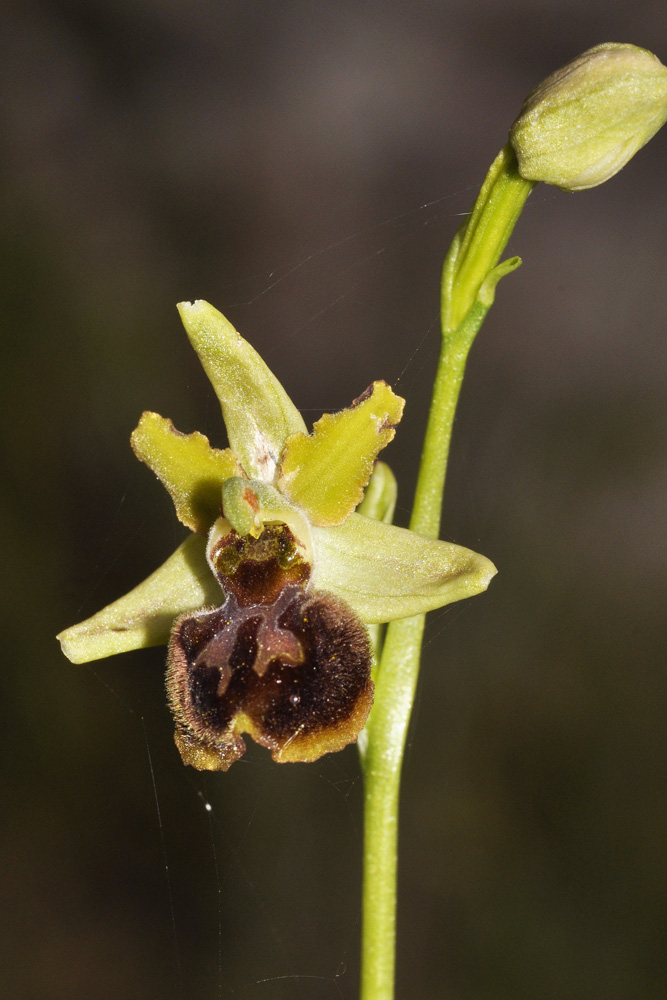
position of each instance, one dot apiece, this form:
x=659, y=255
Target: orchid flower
x=264, y=607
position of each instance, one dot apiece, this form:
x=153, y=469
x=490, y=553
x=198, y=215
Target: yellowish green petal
x=384, y=572
x=192, y=471
x=144, y=616
x=325, y=473
x=258, y=413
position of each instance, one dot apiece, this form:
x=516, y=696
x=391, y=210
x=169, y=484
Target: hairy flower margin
x=262, y=606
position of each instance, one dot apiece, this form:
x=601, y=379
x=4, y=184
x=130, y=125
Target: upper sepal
x=258, y=413
x=325, y=472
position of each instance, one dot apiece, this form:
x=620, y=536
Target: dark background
x=303, y=167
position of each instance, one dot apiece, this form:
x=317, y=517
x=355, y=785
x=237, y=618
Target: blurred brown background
x=304, y=167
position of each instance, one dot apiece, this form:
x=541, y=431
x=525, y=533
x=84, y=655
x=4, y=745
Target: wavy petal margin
x=325, y=472
x=192, y=471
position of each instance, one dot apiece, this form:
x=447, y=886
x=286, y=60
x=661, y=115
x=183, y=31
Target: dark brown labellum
x=293, y=673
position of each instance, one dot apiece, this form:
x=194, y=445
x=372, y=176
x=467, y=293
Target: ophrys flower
x=264, y=606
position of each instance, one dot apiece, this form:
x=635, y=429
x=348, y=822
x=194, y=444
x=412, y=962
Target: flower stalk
x=470, y=275
x=585, y=105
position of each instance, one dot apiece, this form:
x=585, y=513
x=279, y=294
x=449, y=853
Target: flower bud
x=583, y=123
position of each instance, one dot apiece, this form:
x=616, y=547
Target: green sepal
x=384, y=572
x=258, y=413
x=144, y=616
x=192, y=471
x=325, y=473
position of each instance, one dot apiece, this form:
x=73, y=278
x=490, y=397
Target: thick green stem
x=469, y=278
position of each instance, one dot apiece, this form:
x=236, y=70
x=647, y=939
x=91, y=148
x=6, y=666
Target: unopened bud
x=585, y=121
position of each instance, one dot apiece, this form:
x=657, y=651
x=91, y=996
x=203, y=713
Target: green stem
x=394, y=696
x=427, y=507
x=469, y=278
x=382, y=774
